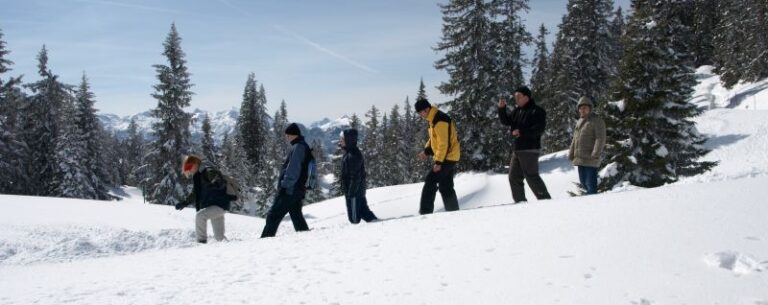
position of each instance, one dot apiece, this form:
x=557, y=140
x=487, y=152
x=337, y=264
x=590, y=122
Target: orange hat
x=189, y=162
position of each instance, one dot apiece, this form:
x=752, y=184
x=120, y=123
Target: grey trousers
x=216, y=215
x=525, y=165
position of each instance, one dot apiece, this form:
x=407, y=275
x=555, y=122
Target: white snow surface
x=703, y=240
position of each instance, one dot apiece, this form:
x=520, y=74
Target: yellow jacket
x=443, y=144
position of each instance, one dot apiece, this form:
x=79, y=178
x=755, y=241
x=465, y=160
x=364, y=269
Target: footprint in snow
x=736, y=262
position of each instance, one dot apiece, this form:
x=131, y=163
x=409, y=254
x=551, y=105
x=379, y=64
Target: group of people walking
x=527, y=123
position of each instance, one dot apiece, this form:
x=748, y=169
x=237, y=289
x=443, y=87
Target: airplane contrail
x=305, y=40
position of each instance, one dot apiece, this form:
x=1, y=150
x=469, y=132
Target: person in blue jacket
x=291, y=185
x=353, y=183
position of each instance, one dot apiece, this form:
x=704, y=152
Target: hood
x=350, y=136
x=585, y=101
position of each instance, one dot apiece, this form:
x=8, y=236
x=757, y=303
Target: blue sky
x=324, y=58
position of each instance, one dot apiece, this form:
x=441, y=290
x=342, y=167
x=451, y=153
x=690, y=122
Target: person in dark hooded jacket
x=353, y=182
x=291, y=185
x=209, y=194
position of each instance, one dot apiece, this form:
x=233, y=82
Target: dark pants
x=285, y=204
x=357, y=208
x=588, y=178
x=443, y=181
x=525, y=165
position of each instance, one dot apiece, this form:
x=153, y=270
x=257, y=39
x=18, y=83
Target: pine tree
x=278, y=149
x=581, y=66
x=616, y=28
x=408, y=145
x=471, y=45
x=402, y=145
x=235, y=163
x=757, y=41
x=508, y=38
x=388, y=153
x=134, y=153
x=741, y=41
x=334, y=167
x=467, y=41
x=319, y=193
x=42, y=126
x=418, y=129
x=124, y=168
x=208, y=144
x=705, y=15
x=163, y=184
x=652, y=140
x=371, y=146
x=73, y=178
x=111, y=157
x=252, y=123
x=540, y=65
x=355, y=122
x=12, y=149
x=88, y=127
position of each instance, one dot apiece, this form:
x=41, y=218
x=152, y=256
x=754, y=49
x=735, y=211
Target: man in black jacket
x=209, y=194
x=353, y=182
x=527, y=122
x=291, y=185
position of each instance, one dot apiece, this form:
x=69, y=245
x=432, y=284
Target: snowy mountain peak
x=325, y=131
x=342, y=122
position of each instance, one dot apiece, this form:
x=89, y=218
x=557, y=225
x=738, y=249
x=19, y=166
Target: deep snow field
x=703, y=240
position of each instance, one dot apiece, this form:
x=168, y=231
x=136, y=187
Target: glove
x=180, y=206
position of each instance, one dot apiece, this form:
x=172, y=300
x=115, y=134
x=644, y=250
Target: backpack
x=233, y=188
x=311, y=183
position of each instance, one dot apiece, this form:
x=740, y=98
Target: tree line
x=639, y=70
x=53, y=144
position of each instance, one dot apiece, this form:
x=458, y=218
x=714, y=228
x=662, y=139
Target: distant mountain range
x=326, y=130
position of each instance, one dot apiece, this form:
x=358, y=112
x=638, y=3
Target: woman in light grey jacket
x=587, y=146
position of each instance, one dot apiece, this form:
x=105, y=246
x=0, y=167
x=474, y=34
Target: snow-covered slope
x=703, y=240
x=686, y=244
x=710, y=93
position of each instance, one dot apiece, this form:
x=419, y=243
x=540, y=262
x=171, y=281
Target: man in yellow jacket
x=443, y=146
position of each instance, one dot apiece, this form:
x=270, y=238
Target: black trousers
x=357, y=209
x=525, y=165
x=285, y=204
x=442, y=181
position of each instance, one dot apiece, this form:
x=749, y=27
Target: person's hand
x=422, y=156
x=180, y=206
x=436, y=168
x=516, y=133
x=502, y=103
